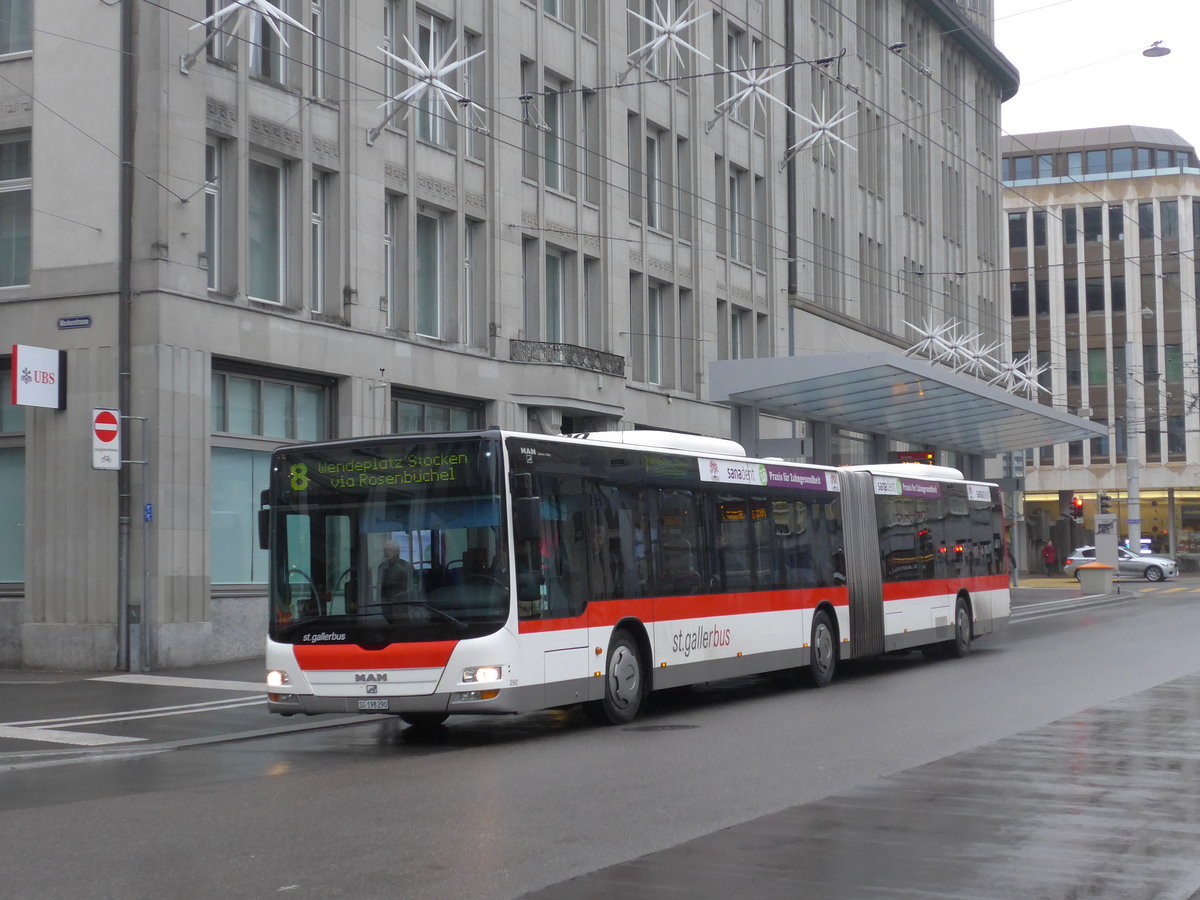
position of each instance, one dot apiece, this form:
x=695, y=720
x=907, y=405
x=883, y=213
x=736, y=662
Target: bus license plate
x=373, y=704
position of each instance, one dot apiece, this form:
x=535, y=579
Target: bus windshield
x=394, y=543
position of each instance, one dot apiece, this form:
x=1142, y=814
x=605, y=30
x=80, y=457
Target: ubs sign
x=39, y=377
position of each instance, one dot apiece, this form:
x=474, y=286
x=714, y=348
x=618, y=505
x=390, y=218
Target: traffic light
x=1105, y=503
x=1076, y=506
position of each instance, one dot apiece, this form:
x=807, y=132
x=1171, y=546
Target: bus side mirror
x=527, y=519
x=264, y=522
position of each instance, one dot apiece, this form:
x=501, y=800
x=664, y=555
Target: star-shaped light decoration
x=666, y=33
x=822, y=133
x=974, y=358
x=430, y=80
x=933, y=340
x=753, y=84
x=1020, y=376
x=238, y=10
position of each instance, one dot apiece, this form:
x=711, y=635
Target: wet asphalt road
x=1062, y=759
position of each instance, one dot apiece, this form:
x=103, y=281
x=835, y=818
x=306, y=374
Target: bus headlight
x=276, y=678
x=481, y=674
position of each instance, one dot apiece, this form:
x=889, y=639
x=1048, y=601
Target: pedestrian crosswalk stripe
x=57, y=736
x=214, y=684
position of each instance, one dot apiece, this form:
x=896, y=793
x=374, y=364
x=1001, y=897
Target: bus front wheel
x=624, y=684
x=822, y=650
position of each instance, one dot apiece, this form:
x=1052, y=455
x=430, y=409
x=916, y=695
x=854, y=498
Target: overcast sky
x=1081, y=64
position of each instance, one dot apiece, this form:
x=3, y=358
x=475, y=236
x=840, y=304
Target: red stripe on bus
x=603, y=613
x=428, y=655
x=908, y=590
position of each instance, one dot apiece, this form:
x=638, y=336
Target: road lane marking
x=214, y=684
x=54, y=736
x=148, y=713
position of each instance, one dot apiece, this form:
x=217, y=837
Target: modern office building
x=399, y=216
x=1103, y=225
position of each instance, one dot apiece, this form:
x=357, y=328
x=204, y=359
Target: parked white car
x=1150, y=567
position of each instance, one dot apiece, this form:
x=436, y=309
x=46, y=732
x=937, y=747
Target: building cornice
x=978, y=45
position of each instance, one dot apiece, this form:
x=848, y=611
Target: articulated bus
x=497, y=572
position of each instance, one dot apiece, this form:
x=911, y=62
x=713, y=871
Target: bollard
x=1096, y=578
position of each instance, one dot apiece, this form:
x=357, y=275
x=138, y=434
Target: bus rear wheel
x=822, y=650
x=624, y=684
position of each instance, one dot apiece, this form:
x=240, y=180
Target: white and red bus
x=497, y=572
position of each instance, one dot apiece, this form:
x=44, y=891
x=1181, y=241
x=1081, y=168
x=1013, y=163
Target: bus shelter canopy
x=891, y=394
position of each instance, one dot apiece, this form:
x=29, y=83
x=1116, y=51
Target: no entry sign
x=106, y=439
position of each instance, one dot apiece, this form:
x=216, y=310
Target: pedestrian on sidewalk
x=1050, y=558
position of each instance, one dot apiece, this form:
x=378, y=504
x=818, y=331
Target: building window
x=1045, y=166
x=266, y=50
x=1018, y=299
x=1168, y=212
x=429, y=275
x=1016, y=231
x=739, y=334
x=1097, y=361
x=683, y=183
x=1116, y=224
x=1122, y=159
x=393, y=43
x=391, y=224
x=12, y=514
x=1070, y=226
x=654, y=333
x=15, y=212
x=739, y=239
x=319, y=63
x=12, y=483
x=655, y=216
x=592, y=157
x=248, y=406
x=1097, y=162
x=555, y=301
x=12, y=417
x=1075, y=164
x=1039, y=228
x=475, y=284
x=16, y=30
x=266, y=234
x=318, y=231
x=558, y=157
x=1022, y=168
x=475, y=88
x=414, y=415
x=1146, y=221
x=552, y=138
x=1093, y=224
x=212, y=214
x=431, y=40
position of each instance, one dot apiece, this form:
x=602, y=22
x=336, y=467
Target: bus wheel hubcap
x=624, y=677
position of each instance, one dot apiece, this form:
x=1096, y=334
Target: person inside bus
x=395, y=574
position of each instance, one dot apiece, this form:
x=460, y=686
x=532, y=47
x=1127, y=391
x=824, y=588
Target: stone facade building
x=263, y=239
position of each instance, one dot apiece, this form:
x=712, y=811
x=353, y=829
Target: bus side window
x=678, y=542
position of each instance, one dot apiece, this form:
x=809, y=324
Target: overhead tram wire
x=886, y=274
